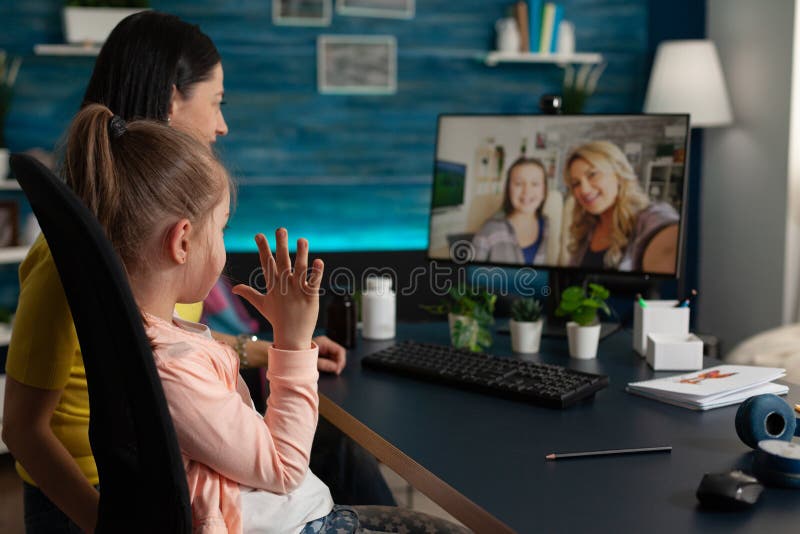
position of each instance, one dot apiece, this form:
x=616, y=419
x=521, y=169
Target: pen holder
x=658, y=317
x=668, y=352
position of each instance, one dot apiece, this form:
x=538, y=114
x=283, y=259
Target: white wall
x=745, y=282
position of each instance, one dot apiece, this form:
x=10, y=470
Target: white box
x=668, y=352
x=658, y=317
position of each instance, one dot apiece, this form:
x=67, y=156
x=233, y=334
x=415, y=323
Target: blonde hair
x=629, y=202
x=140, y=176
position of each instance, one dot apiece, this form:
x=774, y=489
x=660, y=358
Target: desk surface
x=473, y=453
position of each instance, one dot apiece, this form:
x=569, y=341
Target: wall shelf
x=66, y=49
x=5, y=335
x=3, y=447
x=492, y=59
x=13, y=254
x=9, y=185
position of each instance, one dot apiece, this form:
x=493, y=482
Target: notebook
x=712, y=388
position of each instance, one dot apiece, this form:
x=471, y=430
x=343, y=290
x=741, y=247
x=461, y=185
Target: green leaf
x=572, y=293
x=569, y=305
x=589, y=303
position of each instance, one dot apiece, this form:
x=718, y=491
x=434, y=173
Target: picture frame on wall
x=9, y=223
x=395, y=9
x=357, y=64
x=302, y=12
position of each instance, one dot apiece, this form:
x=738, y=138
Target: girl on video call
x=245, y=472
x=614, y=224
x=518, y=233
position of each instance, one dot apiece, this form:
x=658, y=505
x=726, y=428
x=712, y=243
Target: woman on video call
x=614, y=225
x=517, y=233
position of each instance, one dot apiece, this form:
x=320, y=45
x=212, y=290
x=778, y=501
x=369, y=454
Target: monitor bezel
x=679, y=261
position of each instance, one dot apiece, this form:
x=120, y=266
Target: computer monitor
x=448, y=184
x=582, y=193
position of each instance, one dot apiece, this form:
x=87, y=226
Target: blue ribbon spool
x=777, y=463
x=765, y=417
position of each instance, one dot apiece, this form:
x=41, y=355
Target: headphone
x=767, y=424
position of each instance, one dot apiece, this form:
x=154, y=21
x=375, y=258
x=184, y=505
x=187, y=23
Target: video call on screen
x=592, y=192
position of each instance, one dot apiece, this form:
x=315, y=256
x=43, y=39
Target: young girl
x=164, y=199
x=518, y=233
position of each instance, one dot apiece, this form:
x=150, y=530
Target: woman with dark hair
x=517, y=234
x=153, y=66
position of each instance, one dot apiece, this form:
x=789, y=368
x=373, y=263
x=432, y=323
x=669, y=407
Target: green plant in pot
x=9, y=68
x=470, y=314
x=583, y=307
x=526, y=325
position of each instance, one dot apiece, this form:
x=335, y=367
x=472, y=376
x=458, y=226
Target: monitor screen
x=448, y=184
x=599, y=193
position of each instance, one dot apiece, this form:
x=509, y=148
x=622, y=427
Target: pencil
x=558, y=456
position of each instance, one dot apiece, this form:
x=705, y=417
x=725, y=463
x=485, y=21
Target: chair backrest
x=142, y=479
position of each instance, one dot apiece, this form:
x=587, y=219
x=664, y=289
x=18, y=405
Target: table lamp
x=687, y=78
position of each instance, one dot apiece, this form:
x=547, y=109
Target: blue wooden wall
x=348, y=172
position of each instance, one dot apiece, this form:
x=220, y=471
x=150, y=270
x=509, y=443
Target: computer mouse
x=729, y=491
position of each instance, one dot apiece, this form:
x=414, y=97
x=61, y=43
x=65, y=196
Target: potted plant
x=90, y=21
x=470, y=314
x=9, y=68
x=526, y=325
x=583, y=331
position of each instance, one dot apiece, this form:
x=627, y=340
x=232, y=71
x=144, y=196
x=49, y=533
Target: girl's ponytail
x=89, y=162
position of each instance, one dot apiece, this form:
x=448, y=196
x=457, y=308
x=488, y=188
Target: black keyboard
x=538, y=383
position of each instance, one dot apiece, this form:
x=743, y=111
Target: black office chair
x=142, y=480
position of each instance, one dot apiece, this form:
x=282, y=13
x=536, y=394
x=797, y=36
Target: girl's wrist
x=291, y=343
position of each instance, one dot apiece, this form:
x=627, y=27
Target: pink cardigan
x=223, y=440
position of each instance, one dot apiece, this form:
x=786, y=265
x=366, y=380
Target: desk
x=482, y=458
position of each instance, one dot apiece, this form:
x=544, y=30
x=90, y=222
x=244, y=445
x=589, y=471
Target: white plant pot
x=583, y=340
x=526, y=336
x=469, y=322
x=92, y=24
x=4, y=154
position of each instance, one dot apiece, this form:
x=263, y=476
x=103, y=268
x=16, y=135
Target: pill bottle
x=378, y=308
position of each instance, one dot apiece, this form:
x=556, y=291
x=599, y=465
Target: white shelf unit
x=9, y=185
x=3, y=448
x=10, y=255
x=66, y=49
x=492, y=59
x=13, y=254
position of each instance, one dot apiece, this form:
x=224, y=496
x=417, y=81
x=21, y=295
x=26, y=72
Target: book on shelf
x=534, y=24
x=546, y=33
x=712, y=388
x=521, y=15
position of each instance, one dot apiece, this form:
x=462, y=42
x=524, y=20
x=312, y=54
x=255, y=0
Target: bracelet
x=241, y=341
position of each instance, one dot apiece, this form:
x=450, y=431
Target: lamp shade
x=687, y=78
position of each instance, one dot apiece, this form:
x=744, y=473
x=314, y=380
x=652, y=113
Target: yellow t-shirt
x=44, y=353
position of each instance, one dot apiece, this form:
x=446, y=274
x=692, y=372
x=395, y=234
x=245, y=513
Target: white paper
x=709, y=384
x=717, y=402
